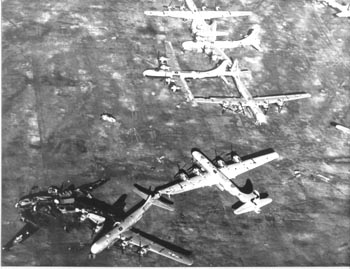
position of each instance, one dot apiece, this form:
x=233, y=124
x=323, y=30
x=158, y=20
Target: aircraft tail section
x=250, y=200
x=251, y=39
x=345, y=12
x=254, y=205
x=160, y=202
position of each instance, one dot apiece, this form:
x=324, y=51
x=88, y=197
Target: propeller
x=182, y=173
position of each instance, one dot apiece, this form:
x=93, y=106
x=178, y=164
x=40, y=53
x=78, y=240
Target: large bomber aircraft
x=36, y=208
x=104, y=219
x=220, y=173
x=165, y=73
x=247, y=104
x=198, y=26
x=344, y=10
x=209, y=46
x=118, y=228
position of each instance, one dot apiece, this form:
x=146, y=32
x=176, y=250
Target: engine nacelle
x=143, y=250
x=124, y=244
x=221, y=163
x=197, y=171
x=279, y=105
x=164, y=67
x=184, y=176
x=236, y=159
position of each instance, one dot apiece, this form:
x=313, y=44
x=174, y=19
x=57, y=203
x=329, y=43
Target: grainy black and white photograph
x=175, y=133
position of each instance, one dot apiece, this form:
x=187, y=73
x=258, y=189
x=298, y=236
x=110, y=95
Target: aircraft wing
x=169, y=49
x=94, y=185
x=206, y=15
x=135, y=237
x=280, y=98
x=224, y=100
x=235, y=169
x=192, y=183
x=27, y=230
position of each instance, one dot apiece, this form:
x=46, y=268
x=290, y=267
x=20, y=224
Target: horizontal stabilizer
x=252, y=206
x=161, y=202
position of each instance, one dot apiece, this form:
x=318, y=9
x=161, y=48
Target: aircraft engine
x=280, y=105
x=143, y=250
x=124, y=244
x=236, y=159
x=197, y=171
x=265, y=107
x=220, y=163
x=183, y=176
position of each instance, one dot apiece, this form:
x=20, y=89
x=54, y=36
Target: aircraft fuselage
x=111, y=237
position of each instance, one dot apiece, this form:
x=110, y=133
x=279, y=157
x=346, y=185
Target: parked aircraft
x=122, y=230
x=208, y=47
x=247, y=104
x=118, y=227
x=198, y=26
x=222, y=70
x=101, y=217
x=220, y=173
x=37, y=207
x=344, y=9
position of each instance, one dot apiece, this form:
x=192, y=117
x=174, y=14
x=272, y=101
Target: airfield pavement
x=66, y=62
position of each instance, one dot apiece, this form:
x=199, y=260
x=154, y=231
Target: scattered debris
x=323, y=178
x=297, y=173
x=161, y=159
x=340, y=127
x=108, y=117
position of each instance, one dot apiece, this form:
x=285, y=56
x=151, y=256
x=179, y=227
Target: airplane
x=344, y=9
x=121, y=230
x=50, y=203
x=220, y=173
x=247, y=104
x=220, y=71
x=208, y=47
x=198, y=26
x=100, y=216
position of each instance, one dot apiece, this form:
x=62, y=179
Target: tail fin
x=343, y=14
x=250, y=206
x=161, y=202
x=234, y=68
x=247, y=188
x=251, y=39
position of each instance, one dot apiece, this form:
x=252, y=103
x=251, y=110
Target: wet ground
x=64, y=63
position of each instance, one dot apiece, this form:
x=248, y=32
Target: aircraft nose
x=99, y=245
x=96, y=248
